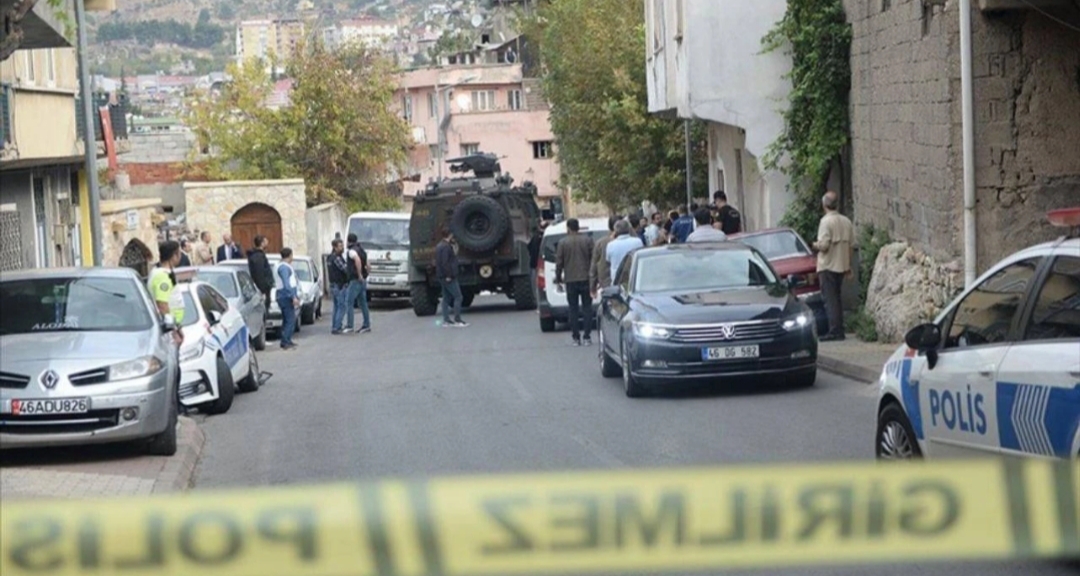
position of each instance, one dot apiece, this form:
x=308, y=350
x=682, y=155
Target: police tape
x=658, y=520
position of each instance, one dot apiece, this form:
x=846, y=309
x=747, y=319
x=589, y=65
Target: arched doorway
x=255, y=219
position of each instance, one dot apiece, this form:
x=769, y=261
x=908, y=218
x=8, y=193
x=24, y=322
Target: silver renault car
x=85, y=358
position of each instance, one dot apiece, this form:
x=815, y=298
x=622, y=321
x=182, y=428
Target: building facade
x=369, y=32
x=705, y=62
x=270, y=40
x=482, y=108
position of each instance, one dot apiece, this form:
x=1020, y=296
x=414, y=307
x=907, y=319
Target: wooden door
x=257, y=219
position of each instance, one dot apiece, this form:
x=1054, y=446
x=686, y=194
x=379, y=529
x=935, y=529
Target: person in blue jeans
x=356, y=257
x=287, y=298
x=446, y=267
x=338, y=274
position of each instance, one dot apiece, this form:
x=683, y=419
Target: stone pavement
x=99, y=471
x=855, y=359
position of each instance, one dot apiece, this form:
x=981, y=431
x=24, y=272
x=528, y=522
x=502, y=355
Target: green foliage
x=817, y=36
x=225, y=11
x=862, y=324
x=610, y=149
x=871, y=240
x=339, y=134
x=148, y=32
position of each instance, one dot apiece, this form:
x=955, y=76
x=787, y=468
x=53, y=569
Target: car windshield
x=381, y=234
x=73, y=304
x=191, y=313
x=551, y=242
x=303, y=270
x=779, y=244
x=223, y=281
x=697, y=270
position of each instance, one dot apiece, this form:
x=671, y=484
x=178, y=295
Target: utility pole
x=89, y=141
x=689, y=167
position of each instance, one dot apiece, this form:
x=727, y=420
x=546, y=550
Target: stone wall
x=909, y=287
x=159, y=147
x=906, y=124
x=211, y=205
x=114, y=226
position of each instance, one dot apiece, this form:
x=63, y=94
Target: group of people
x=200, y=253
x=583, y=268
x=348, y=272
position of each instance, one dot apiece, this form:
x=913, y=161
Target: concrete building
x=704, y=62
x=370, y=32
x=907, y=168
x=483, y=108
x=268, y=39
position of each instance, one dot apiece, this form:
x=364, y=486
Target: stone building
x=272, y=208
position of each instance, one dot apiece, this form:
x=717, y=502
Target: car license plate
x=377, y=280
x=50, y=406
x=730, y=353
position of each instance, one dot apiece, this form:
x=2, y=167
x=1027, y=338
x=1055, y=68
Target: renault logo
x=727, y=331
x=49, y=379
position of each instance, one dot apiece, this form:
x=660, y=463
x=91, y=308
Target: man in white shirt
x=623, y=244
x=653, y=229
x=704, y=231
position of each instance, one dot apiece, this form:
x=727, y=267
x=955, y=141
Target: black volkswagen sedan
x=703, y=311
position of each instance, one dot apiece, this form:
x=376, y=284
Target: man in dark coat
x=261, y=272
x=228, y=250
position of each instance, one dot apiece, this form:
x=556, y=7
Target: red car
x=790, y=255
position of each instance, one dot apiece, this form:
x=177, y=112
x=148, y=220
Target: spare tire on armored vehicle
x=492, y=221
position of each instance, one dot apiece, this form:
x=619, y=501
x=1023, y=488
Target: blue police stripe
x=909, y=392
x=236, y=346
x=1038, y=419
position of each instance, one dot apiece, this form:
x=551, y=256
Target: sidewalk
x=98, y=471
x=855, y=359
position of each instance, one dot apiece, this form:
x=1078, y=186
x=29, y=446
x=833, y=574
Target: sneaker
x=347, y=330
x=575, y=342
x=364, y=330
x=460, y=324
x=587, y=342
x=446, y=324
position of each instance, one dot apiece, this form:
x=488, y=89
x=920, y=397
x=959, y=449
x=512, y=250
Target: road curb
x=848, y=369
x=179, y=473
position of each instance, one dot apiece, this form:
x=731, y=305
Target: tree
x=225, y=11
x=610, y=149
x=339, y=134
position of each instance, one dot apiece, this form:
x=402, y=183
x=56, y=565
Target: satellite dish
x=476, y=20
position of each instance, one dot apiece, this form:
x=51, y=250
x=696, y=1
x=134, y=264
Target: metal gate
x=10, y=241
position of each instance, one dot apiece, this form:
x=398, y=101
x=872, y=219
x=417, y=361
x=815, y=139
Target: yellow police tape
x=662, y=520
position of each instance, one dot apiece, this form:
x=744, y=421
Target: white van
x=385, y=237
x=553, y=304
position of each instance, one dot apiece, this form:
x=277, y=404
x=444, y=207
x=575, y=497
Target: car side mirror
x=168, y=323
x=215, y=317
x=611, y=293
x=925, y=338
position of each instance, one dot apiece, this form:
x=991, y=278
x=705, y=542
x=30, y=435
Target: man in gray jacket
x=573, y=258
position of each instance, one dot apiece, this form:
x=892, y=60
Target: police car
x=216, y=357
x=999, y=370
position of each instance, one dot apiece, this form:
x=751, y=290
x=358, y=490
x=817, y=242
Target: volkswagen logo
x=727, y=331
x=49, y=379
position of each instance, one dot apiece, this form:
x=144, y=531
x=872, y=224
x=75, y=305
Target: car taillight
x=541, y=282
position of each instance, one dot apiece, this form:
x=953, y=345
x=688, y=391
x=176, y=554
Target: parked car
x=85, y=358
x=998, y=371
x=236, y=285
x=216, y=357
x=311, y=293
x=791, y=256
x=553, y=306
x=273, y=314
x=703, y=311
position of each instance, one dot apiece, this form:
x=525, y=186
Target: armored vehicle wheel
x=524, y=296
x=479, y=223
x=424, y=299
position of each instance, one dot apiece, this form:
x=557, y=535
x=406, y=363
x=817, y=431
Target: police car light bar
x=1064, y=217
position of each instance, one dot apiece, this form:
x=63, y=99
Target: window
x=483, y=100
x=73, y=304
x=223, y=281
x=1057, y=310
x=50, y=66
x=542, y=149
x=247, y=285
x=515, y=99
x=985, y=315
x=702, y=270
x=29, y=73
x=432, y=105
x=211, y=300
x=408, y=108
x=470, y=149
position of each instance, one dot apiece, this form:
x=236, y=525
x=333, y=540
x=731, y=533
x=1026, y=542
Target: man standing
x=534, y=254
x=681, y=228
x=228, y=250
x=729, y=217
x=704, y=231
x=600, y=271
x=287, y=298
x=834, y=245
x=573, y=258
x=185, y=253
x=162, y=284
x=357, y=259
x=622, y=245
x=204, y=255
x=259, y=267
x=652, y=231
x=338, y=274
x=446, y=267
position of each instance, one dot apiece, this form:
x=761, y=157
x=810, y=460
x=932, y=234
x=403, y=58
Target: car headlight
x=798, y=321
x=191, y=352
x=651, y=331
x=135, y=368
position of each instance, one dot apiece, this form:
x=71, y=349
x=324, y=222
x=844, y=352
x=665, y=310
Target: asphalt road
x=414, y=399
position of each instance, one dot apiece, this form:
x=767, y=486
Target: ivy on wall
x=816, y=35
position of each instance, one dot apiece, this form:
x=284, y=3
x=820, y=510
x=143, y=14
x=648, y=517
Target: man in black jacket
x=261, y=272
x=229, y=249
x=446, y=268
x=357, y=259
